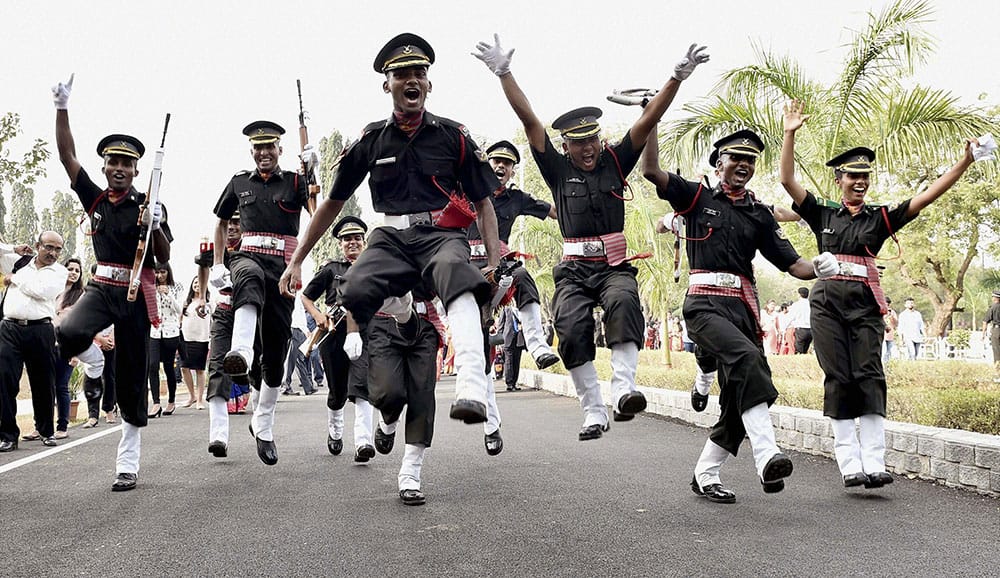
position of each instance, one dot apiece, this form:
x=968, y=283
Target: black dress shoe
x=698, y=401
x=713, y=492
x=858, y=479
x=776, y=470
x=49, y=441
x=878, y=479
x=618, y=416
x=546, y=360
x=592, y=432
x=267, y=452
x=412, y=497
x=632, y=403
x=513, y=388
x=218, y=449
x=384, y=441
x=287, y=391
x=364, y=453
x=468, y=411
x=8, y=446
x=494, y=443
x=335, y=446
x=124, y=482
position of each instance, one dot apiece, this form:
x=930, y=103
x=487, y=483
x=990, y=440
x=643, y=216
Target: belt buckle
x=22, y=322
x=593, y=249
x=846, y=268
x=727, y=280
x=270, y=243
x=420, y=218
x=120, y=274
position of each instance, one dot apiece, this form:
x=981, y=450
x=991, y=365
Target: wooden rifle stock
x=303, y=141
x=145, y=234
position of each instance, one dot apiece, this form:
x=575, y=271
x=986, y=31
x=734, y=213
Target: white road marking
x=41, y=455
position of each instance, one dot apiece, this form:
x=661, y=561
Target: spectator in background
x=911, y=329
x=296, y=360
x=195, y=326
x=799, y=314
x=769, y=324
x=991, y=333
x=891, y=319
x=71, y=293
x=164, y=339
x=786, y=333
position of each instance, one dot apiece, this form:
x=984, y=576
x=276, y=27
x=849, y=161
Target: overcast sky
x=217, y=65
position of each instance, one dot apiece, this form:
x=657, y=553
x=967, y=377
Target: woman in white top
x=165, y=339
x=195, y=328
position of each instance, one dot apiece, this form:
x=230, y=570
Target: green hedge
x=950, y=394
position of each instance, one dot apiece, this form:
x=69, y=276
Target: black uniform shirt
x=271, y=206
x=738, y=230
x=837, y=232
x=414, y=175
x=993, y=315
x=509, y=205
x=585, y=205
x=327, y=280
x=115, y=227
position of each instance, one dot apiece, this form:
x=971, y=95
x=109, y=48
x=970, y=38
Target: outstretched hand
x=291, y=280
x=794, y=119
x=695, y=55
x=494, y=56
x=60, y=93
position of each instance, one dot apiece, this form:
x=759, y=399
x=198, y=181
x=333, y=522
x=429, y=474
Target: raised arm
x=325, y=214
x=498, y=62
x=650, y=162
x=653, y=111
x=794, y=119
x=944, y=182
x=64, y=137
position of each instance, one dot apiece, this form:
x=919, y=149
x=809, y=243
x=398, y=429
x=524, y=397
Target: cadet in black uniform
x=847, y=310
x=589, y=190
x=421, y=165
x=992, y=323
x=347, y=378
x=725, y=227
x=269, y=201
x=114, y=219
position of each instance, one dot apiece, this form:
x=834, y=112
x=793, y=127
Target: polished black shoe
x=287, y=391
x=364, y=453
x=776, y=470
x=8, y=446
x=632, y=403
x=513, y=388
x=412, y=497
x=49, y=441
x=335, y=446
x=468, y=411
x=592, y=432
x=878, y=479
x=698, y=401
x=713, y=492
x=494, y=443
x=124, y=482
x=546, y=360
x=267, y=452
x=218, y=449
x=618, y=416
x=858, y=479
x=384, y=441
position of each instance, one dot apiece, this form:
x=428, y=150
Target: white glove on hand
x=352, y=345
x=60, y=93
x=825, y=265
x=495, y=58
x=309, y=158
x=219, y=278
x=157, y=216
x=695, y=55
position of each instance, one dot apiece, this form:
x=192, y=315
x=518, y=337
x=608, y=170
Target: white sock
x=531, y=326
x=335, y=423
x=624, y=359
x=254, y=398
x=846, y=447
x=467, y=339
x=589, y=392
x=363, y=413
x=218, y=420
x=760, y=430
x=263, y=415
x=93, y=357
x=872, y=443
x=703, y=381
x=409, y=471
x=492, y=423
x=127, y=461
x=244, y=327
x=706, y=471
x=388, y=428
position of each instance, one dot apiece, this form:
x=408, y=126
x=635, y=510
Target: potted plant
x=75, y=386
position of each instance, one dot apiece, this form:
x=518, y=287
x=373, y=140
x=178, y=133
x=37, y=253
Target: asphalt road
x=549, y=505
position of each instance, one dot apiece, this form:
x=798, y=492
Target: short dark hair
x=803, y=292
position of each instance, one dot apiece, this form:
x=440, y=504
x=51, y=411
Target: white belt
x=583, y=248
x=421, y=307
x=402, y=222
x=224, y=299
x=852, y=269
x=478, y=250
x=113, y=272
x=715, y=279
x=263, y=242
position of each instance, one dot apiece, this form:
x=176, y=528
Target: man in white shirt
x=911, y=329
x=27, y=339
x=798, y=313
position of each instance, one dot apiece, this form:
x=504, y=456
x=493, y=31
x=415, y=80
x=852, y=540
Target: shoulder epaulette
x=824, y=202
x=378, y=124
x=242, y=174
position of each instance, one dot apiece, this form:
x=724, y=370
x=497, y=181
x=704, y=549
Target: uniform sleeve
x=227, y=203
x=774, y=246
x=549, y=164
x=475, y=174
x=535, y=208
x=351, y=171
x=627, y=157
x=319, y=283
x=809, y=210
x=86, y=190
x=897, y=217
x=681, y=193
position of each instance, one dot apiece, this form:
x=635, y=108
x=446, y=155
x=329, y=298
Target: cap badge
x=745, y=141
x=407, y=49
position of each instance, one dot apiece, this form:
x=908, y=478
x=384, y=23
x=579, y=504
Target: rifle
x=152, y=196
x=303, y=141
x=335, y=316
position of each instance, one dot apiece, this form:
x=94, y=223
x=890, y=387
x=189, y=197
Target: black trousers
x=403, y=374
x=163, y=351
x=724, y=329
x=345, y=379
x=580, y=286
x=512, y=365
x=31, y=348
x=255, y=282
x=803, y=339
x=525, y=289
x=100, y=306
x=220, y=343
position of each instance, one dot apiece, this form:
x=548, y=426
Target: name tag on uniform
x=242, y=194
x=712, y=212
x=385, y=161
x=828, y=231
x=575, y=180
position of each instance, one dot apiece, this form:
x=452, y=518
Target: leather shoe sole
x=267, y=451
x=469, y=411
x=698, y=401
x=878, y=479
x=384, y=441
x=412, y=497
x=546, y=360
x=632, y=403
x=852, y=480
x=593, y=432
x=776, y=470
x=618, y=416
x=124, y=482
x=218, y=449
x=234, y=365
x=364, y=453
x=713, y=492
x=494, y=443
x=335, y=446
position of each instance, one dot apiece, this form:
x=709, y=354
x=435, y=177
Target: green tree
x=913, y=130
x=14, y=173
x=63, y=217
x=23, y=222
x=330, y=149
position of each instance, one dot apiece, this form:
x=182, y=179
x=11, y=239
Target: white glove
x=219, y=278
x=352, y=345
x=309, y=158
x=695, y=56
x=60, y=93
x=151, y=217
x=825, y=265
x=495, y=58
